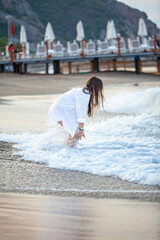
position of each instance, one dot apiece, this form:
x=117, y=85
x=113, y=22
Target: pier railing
x=136, y=61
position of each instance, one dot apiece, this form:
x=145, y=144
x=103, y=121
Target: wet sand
x=74, y=205
x=17, y=175
x=49, y=217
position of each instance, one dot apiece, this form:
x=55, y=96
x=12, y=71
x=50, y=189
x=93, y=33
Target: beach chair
x=112, y=46
x=90, y=48
x=151, y=44
x=134, y=45
x=144, y=45
x=41, y=50
x=102, y=47
x=58, y=49
x=73, y=49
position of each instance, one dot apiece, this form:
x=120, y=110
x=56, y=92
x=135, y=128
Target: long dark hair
x=95, y=87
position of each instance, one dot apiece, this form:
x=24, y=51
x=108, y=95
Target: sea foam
x=123, y=143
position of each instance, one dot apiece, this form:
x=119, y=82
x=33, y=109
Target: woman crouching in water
x=70, y=109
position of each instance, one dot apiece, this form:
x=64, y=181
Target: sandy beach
x=24, y=102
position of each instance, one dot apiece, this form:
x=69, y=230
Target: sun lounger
x=134, y=45
x=151, y=44
x=90, y=48
x=102, y=47
x=144, y=45
x=73, y=49
x=112, y=46
x=41, y=50
x=58, y=49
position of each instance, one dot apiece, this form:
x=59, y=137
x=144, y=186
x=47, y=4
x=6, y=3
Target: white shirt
x=70, y=108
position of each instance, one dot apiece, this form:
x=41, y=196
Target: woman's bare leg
x=71, y=141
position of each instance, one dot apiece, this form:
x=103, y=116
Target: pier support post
x=56, y=65
x=95, y=65
x=158, y=64
x=2, y=68
x=25, y=67
x=114, y=65
x=46, y=67
x=21, y=68
x=69, y=67
x=137, y=64
x=14, y=68
x=17, y=68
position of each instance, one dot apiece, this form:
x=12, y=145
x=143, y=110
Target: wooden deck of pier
x=20, y=65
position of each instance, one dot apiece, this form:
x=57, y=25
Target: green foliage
x=64, y=16
x=3, y=43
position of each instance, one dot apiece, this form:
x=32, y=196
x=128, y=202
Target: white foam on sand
x=124, y=143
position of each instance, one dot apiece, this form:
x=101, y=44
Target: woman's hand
x=79, y=134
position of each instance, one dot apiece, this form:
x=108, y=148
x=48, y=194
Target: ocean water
x=123, y=142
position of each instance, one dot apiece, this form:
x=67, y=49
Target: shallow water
x=40, y=217
x=123, y=142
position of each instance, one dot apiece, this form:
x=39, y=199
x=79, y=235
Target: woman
x=69, y=110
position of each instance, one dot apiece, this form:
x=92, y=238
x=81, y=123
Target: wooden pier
x=21, y=65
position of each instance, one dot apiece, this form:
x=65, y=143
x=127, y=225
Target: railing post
x=83, y=45
x=155, y=45
x=47, y=55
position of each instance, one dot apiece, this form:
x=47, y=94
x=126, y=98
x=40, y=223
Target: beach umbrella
x=80, y=31
x=142, y=30
x=49, y=34
x=111, y=31
x=108, y=30
x=80, y=35
x=23, y=37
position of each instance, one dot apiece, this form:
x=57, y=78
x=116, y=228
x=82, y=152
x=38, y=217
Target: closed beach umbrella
x=80, y=31
x=112, y=31
x=108, y=30
x=23, y=37
x=49, y=34
x=142, y=30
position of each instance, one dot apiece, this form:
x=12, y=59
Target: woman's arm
x=80, y=132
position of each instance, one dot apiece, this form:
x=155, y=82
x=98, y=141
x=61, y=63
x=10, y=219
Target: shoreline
x=19, y=176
